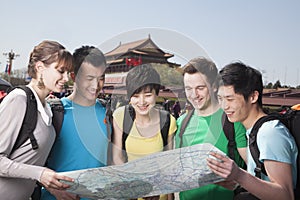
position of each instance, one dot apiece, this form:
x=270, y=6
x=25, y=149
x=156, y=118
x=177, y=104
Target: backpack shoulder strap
x=228, y=128
x=129, y=116
x=29, y=121
x=108, y=118
x=184, y=125
x=109, y=127
x=164, y=117
x=253, y=144
x=58, y=114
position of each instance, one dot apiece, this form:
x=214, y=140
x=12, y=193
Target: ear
x=214, y=88
x=254, y=97
x=72, y=74
x=39, y=66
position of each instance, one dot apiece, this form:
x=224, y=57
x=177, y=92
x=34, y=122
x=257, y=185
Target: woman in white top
x=49, y=64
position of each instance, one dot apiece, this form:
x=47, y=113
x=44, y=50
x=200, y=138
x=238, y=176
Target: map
x=160, y=173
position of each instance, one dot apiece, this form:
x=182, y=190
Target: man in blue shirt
x=240, y=95
x=82, y=142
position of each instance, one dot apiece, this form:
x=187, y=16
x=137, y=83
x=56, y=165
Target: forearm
x=13, y=169
x=117, y=157
x=262, y=189
x=280, y=176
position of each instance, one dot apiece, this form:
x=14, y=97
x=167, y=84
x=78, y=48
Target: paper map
x=160, y=173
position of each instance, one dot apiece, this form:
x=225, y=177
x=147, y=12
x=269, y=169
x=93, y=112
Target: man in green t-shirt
x=200, y=78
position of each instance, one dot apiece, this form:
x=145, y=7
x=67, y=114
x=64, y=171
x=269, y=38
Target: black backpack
x=30, y=118
x=129, y=116
x=228, y=128
x=291, y=119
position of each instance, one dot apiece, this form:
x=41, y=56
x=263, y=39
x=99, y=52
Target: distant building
x=128, y=55
x=281, y=97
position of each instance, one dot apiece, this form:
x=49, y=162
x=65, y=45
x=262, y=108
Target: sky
x=264, y=34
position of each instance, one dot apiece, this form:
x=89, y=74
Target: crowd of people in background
x=90, y=138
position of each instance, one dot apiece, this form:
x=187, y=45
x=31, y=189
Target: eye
x=89, y=78
x=200, y=88
x=102, y=78
x=61, y=71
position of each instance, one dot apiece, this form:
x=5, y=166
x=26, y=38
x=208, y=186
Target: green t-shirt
x=209, y=129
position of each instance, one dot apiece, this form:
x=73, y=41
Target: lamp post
x=10, y=57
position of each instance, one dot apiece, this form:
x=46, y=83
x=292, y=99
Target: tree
x=269, y=86
x=277, y=84
x=170, y=77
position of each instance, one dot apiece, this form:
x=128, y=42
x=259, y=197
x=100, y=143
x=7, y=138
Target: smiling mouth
x=229, y=114
x=61, y=86
x=142, y=108
x=93, y=93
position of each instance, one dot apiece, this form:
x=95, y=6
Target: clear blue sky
x=263, y=34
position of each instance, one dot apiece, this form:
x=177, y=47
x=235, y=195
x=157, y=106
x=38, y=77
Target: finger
x=217, y=155
x=216, y=167
x=60, y=185
x=65, y=178
x=214, y=161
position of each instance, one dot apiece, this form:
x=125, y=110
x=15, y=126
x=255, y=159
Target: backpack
x=129, y=116
x=228, y=128
x=30, y=118
x=291, y=119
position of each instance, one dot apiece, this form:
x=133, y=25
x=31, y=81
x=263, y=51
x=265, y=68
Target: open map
x=161, y=173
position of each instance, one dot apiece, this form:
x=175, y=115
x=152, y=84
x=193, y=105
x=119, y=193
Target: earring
x=41, y=84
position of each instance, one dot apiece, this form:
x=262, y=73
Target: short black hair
x=89, y=54
x=244, y=79
x=140, y=78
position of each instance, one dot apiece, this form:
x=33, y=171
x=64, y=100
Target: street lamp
x=10, y=57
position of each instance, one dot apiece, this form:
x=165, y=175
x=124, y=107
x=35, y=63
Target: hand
x=63, y=195
x=51, y=179
x=223, y=166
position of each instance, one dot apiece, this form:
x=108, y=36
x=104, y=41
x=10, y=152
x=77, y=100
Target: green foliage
x=170, y=77
x=277, y=84
x=269, y=86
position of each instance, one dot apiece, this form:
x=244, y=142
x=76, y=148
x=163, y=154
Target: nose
x=94, y=84
x=141, y=99
x=66, y=76
x=224, y=104
x=194, y=93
